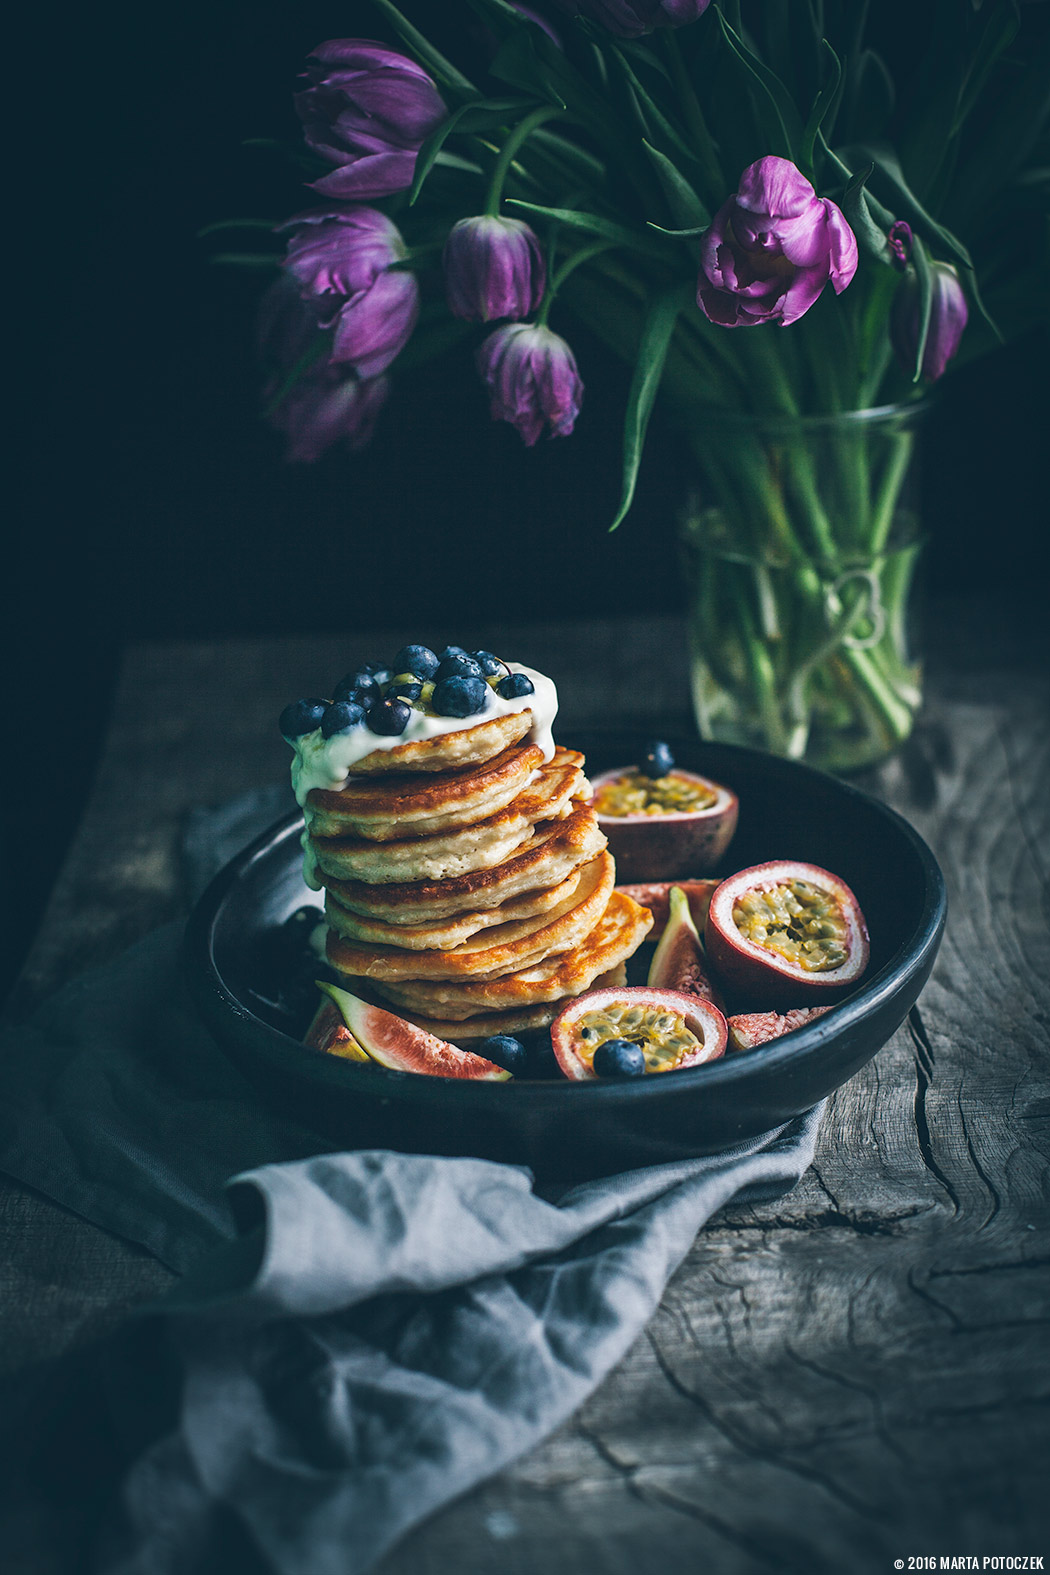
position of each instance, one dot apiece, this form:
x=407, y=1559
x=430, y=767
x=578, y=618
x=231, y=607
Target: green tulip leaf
x=871, y=98
x=481, y=114
x=855, y=207
x=782, y=123
x=685, y=206
x=924, y=275
x=436, y=63
x=593, y=224
x=652, y=121
x=821, y=105
x=657, y=330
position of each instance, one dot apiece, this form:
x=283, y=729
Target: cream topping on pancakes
x=326, y=762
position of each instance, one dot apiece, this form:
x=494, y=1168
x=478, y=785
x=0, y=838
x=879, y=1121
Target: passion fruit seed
x=636, y=794
x=664, y=1039
x=798, y=921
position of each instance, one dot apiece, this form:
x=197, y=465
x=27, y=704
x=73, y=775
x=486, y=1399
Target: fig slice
x=656, y=896
x=748, y=1030
x=679, y=962
x=329, y=1033
x=786, y=934
x=650, y=837
x=675, y=1030
x=402, y=1047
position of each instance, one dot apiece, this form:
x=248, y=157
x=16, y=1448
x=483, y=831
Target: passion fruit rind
x=657, y=841
x=785, y=934
x=675, y=1030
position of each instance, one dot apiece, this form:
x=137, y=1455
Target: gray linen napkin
x=361, y=1336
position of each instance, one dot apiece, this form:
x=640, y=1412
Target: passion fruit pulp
x=674, y=1030
x=786, y=934
x=660, y=827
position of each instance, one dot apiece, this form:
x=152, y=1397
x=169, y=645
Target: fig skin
x=659, y=847
x=702, y=1017
x=656, y=896
x=763, y=978
x=679, y=962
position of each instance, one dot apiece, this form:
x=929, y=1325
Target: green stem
x=522, y=131
x=889, y=491
x=703, y=144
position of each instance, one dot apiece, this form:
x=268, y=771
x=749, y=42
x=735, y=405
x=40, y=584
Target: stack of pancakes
x=467, y=881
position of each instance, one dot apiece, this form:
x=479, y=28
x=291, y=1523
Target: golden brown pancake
x=467, y=746
x=617, y=935
x=556, y=848
x=504, y=949
x=398, y=806
x=468, y=1033
x=444, y=934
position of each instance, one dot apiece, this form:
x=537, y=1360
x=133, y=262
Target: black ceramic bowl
x=569, y=1130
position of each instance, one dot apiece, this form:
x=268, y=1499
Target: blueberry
x=404, y=689
x=457, y=667
x=389, y=717
x=514, y=686
x=302, y=716
x=504, y=1051
x=657, y=760
x=341, y=717
x=619, y=1058
x=360, y=685
x=300, y=925
x=460, y=696
x=418, y=659
x=452, y=650
x=490, y=665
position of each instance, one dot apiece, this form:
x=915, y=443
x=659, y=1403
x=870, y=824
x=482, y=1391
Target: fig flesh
x=674, y=1030
x=748, y=1030
x=786, y=934
x=679, y=962
x=329, y=1033
x=660, y=827
x=402, y=1047
x=656, y=896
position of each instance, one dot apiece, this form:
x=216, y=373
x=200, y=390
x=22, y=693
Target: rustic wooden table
x=853, y=1376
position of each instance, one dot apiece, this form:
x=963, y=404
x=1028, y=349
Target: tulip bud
x=532, y=379
x=900, y=239
x=948, y=317
x=632, y=18
x=772, y=248
x=343, y=264
x=368, y=110
x=493, y=268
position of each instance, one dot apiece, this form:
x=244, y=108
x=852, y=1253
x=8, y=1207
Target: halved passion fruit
x=786, y=934
x=673, y=1030
x=658, y=827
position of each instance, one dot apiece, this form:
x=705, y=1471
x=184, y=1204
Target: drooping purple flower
x=343, y=262
x=532, y=379
x=632, y=18
x=329, y=405
x=772, y=248
x=493, y=268
x=948, y=318
x=899, y=240
x=367, y=110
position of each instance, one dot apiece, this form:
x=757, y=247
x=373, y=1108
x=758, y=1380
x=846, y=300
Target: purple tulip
x=772, y=248
x=632, y=18
x=343, y=265
x=493, y=268
x=948, y=317
x=532, y=379
x=368, y=110
x=326, y=406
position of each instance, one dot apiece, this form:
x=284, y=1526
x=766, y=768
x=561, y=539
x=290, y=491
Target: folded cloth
x=372, y=1333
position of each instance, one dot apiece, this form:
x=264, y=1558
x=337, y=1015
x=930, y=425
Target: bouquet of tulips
x=743, y=203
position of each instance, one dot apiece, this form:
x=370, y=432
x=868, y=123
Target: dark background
x=156, y=504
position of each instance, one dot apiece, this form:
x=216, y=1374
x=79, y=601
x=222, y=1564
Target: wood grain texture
x=856, y=1373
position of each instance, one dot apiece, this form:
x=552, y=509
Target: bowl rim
x=215, y=999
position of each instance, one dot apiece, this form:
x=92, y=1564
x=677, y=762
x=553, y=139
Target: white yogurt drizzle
x=325, y=762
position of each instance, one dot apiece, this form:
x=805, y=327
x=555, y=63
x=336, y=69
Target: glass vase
x=801, y=543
